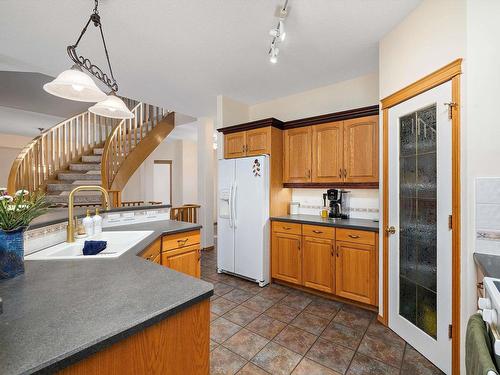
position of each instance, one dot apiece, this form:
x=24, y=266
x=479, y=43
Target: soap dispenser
x=88, y=223
x=97, y=222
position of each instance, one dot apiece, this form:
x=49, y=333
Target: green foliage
x=18, y=211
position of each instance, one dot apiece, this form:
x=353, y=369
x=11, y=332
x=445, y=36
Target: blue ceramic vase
x=11, y=253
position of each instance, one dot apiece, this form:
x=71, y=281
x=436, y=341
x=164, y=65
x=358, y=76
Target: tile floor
x=279, y=330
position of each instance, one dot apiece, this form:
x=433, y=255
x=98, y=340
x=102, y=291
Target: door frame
x=171, y=165
x=451, y=72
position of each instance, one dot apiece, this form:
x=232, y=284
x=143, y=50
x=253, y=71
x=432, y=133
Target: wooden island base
x=177, y=345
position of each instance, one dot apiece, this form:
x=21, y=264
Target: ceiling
x=180, y=54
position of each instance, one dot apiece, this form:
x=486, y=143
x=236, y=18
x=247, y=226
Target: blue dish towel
x=94, y=247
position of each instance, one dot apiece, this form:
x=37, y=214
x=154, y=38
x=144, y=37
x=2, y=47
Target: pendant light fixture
x=74, y=84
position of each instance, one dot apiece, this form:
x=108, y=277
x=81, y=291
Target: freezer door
x=251, y=208
x=225, y=225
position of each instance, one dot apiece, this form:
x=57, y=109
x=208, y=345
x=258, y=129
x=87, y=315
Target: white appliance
x=243, y=218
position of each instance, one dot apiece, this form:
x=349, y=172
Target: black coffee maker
x=335, y=196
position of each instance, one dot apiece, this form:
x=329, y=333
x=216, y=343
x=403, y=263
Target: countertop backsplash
x=364, y=202
x=487, y=215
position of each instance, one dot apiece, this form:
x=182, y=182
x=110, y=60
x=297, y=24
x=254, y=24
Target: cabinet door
x=234, y=145
x=318, y=264
x=258, y=141
x=287, y=257
x=185, y=260
x=327, y=152
x=297, y=155
x=356, y=272
x=361, y=149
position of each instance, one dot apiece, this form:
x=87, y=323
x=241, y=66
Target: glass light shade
x=74, y=84
x=112, y=107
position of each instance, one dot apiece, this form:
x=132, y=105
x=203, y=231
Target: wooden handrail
x=187, y=212
x=125, y=138
x=55, y=148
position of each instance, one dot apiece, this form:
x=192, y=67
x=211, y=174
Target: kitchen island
x=121, y=315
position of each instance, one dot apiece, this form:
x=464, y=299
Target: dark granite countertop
x=361, y=224
x=489, y=264
x=59, y=215
x=61, y=311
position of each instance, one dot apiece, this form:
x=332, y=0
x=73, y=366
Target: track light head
x=273, y=54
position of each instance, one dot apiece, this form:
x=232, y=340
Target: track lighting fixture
x=74, y=84
x=278, y=33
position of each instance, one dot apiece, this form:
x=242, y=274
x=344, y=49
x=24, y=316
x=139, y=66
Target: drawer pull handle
x=287, y=228
x=317, y=231
x=182, y=242
x=353, y=236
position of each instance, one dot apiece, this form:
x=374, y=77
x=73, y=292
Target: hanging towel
x=94, y=247
x=478, y=351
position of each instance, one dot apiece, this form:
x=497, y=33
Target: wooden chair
x=187, y=212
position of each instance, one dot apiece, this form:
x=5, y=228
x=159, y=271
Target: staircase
x=90, y=150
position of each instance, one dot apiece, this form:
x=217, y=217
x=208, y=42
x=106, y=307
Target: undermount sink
x=117, y=244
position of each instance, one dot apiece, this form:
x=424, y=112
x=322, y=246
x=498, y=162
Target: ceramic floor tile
x=258, y=303
x=251, y=369
x=295, y=339
x=282, y=312
x=221, y=329
x=276, y=359
x=342, y=335
x=390, y=353
x=331, y=355
x=416, y=364
x=378, y=330
x=213, y=316
x=246, y=343
x=241, y=315
x=354, y=317
x=238, y=295
x=221, y=306
x=308, y=367
x=323, y=308
x=310, y=323
x=273, y=294
x=225, y=362
x=266, y=326
x=363, y=365
x=213, y=345
x=250, y=287
x=297, y=301
x=221, y=289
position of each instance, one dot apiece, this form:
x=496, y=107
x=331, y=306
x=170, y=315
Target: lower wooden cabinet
x=185, y=260
x=355, y=268
x=287, y=257
x=318, y=263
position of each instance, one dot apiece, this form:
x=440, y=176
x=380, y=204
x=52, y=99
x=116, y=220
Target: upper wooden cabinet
x=247, y=143
x=361, y=139
x=327, y=152
x=297, y=155
x=234, y=145
x=337, y=152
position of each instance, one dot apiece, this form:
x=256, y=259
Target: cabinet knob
x=340, y=173
x=287, y=228
x=317, y=231
x=182, y=241
x=353, y=236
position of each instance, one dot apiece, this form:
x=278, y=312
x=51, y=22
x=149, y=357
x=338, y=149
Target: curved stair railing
x=55, y=148
x=129, y=144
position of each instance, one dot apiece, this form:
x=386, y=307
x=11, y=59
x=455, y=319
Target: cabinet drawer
x=152, y=251
x=356, y=236
x=284, y=227
x=175, y=241
x=318, y=231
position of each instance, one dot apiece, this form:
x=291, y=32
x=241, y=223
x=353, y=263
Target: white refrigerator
x=243, y=218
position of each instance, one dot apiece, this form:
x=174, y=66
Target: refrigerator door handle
x=231, y=206
x=233, y=212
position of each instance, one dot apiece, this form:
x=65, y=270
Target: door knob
x=390, y=230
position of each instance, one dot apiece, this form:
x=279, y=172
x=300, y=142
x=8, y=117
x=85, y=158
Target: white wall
x=25, y=123
x=433, y=35
x=189, y=172
x=353, y=93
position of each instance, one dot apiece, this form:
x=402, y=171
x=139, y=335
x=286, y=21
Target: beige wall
x=354, y=93
x=189, y=172
x=433, y=35
x=430, y=37
x=10, y=146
